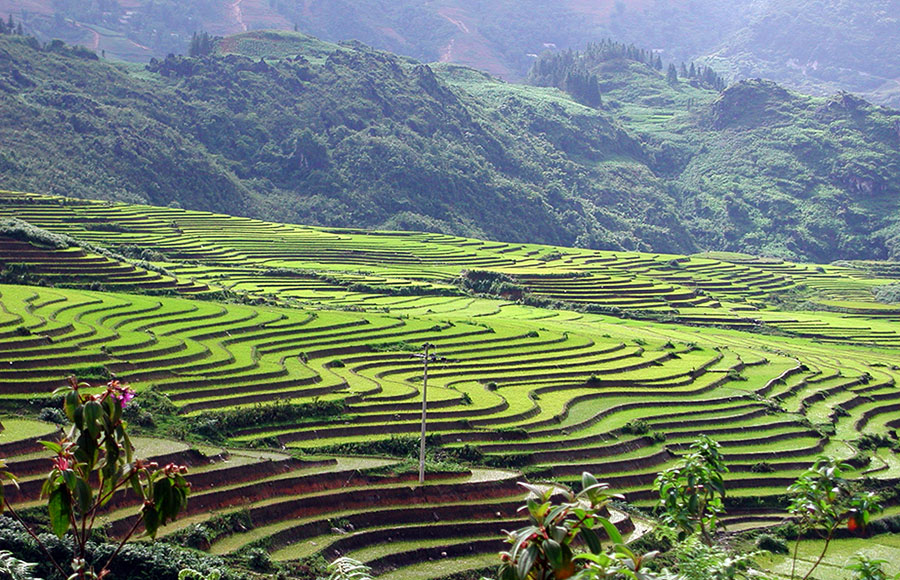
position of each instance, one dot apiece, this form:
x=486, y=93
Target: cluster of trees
x=154, y=28
x=576, y=72
x=106, y=12
x=852, y=42
x=202, y=44
x=567, y=70
x=608, y=49
x=703, y=75
x=10, y=26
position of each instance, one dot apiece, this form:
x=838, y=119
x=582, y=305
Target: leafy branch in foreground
x=822, y=500
x=92, y=463
x=693, y=492
x=548, y=547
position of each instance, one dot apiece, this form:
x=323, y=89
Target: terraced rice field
x=584, y=361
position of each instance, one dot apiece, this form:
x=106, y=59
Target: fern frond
x=349, y=569
x=191, y=574
x=14, y=568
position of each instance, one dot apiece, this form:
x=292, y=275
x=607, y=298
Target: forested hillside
x=346, y=135
x=818, y=46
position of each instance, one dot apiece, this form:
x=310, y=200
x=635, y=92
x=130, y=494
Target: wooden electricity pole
x=426, y=356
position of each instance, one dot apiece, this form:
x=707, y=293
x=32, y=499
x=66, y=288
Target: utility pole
x=426, y=357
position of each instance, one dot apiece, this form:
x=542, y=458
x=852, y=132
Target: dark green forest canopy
x=349, y=136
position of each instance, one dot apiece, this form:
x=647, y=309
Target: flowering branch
x=97, y=449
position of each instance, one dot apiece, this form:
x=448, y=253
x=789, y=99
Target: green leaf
x=553, y=552
x=9, y=477
x=554, y=513
x=71, y=404
x=70, y=479
x=54, y=447
x=85, y=496
x=508, y=573
x=624, y=550
x=60, y=508
x=91, y=449
x=126, y=444
x=601, y=559
x=151, y=520
x=50, y=484
x=522, y=538
x=93, y=413
x=113, y=409
x=135, y=482
x=560, y=534
x=111, y=465
x=536, y=509
x=160, y=493
x=611, y=531
x=592, y=540
x=538, y=492
x=170, y=497
x=526, y=561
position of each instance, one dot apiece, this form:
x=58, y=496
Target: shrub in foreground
x=92, y=463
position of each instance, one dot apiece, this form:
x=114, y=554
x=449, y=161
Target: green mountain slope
x=758, y=168
x=816, y=177
x=345, y=135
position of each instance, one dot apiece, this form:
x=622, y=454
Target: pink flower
x=123, y=393
x=61, y=462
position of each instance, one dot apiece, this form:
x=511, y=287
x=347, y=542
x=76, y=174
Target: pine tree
x=592, y=93
x=672, y=74
x=194, y=49
x=570, y=84
x=206, y=44
x=201, y=44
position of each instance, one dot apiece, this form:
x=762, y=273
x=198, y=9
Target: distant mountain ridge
x=346, y=135
x=817, y=46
